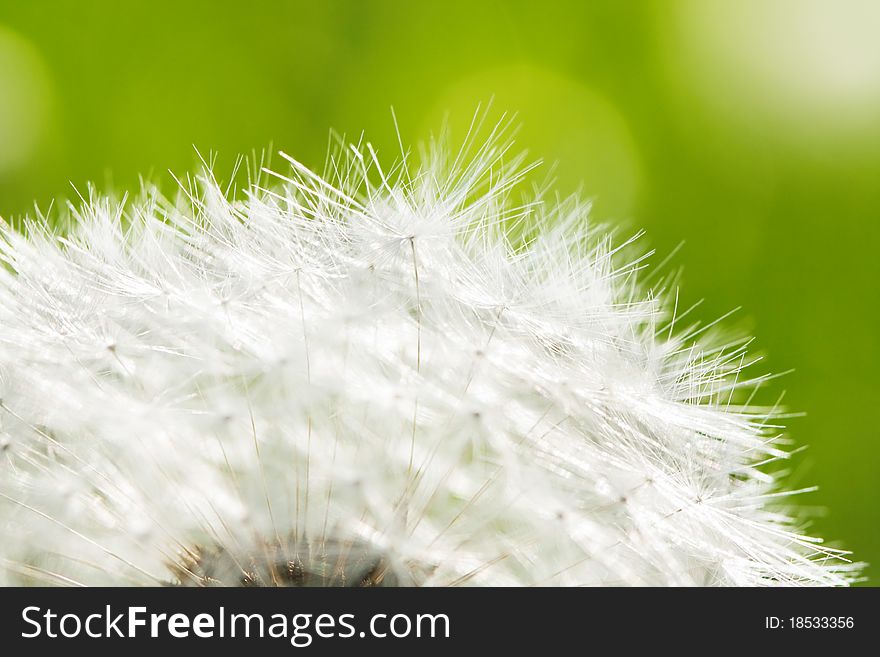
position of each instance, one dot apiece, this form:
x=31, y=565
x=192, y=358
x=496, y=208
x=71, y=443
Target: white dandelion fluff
x=373, y=376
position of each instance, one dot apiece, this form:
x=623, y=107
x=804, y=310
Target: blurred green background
x=748, y=129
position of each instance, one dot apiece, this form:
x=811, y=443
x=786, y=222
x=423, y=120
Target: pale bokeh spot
x=24, y=101
x=561, y=120
x=783, y=69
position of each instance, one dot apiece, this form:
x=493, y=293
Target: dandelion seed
x=374, y=376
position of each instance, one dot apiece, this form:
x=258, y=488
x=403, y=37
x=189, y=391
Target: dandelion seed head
x=374, y=376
